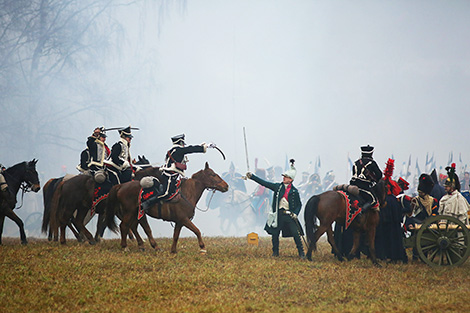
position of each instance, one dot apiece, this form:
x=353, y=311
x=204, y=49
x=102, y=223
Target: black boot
x=366, y=206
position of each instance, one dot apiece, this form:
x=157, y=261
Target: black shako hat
x=126, y=132
x=178, y=139
x=367, y=150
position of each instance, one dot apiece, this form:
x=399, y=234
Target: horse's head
x=211, y=179
x=31, y=176
x=381, y=189
x=142, y=160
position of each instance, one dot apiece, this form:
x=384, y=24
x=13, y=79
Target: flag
x=418, y=171
x=350, y=163
x=408, y=173
x=317, y=165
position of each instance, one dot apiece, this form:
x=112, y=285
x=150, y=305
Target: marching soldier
x=285, y=209
x=366, y=173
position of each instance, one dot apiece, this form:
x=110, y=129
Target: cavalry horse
x=331, y=206
x=20, y=176
x=125, y=199
x=75, y=196
x=49, y=191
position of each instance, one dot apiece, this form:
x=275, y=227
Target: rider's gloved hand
x=125, y=164
x=249, y=174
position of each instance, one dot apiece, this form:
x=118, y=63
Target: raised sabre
x=246, y=154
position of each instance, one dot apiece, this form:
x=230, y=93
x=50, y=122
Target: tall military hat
x=367, y=151
x=178, y=139
x=126, y=132
x=291, y=172
x=452, y=178
x=425, y=183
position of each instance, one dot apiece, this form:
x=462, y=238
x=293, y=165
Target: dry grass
x=231, y=277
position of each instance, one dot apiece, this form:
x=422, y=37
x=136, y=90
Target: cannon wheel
x=443, y=241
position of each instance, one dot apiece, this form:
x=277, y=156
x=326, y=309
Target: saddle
x=151, y=189
x=354, y=202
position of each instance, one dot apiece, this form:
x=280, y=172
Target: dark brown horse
x=22, y=175
x=330, y=207
x=124, y=199
x=75, y=196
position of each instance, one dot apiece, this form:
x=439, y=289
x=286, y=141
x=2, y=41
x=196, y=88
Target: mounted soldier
x=120, y=165
x=172, y=171
x=3, y=184
x=366, y=173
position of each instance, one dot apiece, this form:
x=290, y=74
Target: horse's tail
x=310, y=216
x=111, y=205
x=54, y=206
x=47, y=193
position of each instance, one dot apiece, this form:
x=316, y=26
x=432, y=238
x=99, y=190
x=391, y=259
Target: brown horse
x=76, y=196
x=124, y=199
x=330, y=207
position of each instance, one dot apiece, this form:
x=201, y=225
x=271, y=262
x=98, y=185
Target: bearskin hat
x=425, y=183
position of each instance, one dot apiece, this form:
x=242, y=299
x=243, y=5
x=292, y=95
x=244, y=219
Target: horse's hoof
x=377, y=264
x=24, y=243
x=92, y=243
x=142, y=249
x=125, y=249
x=157, y=248
x=203, y=251
x=340, y=258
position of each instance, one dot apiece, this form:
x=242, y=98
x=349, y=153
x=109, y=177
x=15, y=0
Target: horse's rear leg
x=313, y=244
x=197, y=232
x=331, y=240
x=124, y=227
x=10, y=214
x=140, y=242
x=2, y=221
x=145, y=225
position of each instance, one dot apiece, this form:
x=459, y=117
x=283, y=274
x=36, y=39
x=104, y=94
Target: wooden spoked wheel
x=443, y=241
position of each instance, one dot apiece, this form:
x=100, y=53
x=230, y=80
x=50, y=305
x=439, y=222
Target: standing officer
x=285, y=208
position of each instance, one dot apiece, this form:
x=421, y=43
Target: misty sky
x=313, y=78
x=305, y=78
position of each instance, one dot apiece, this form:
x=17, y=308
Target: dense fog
x=309, y=80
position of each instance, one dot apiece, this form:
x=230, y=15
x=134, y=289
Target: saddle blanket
x=353, y=208
x=101, y=192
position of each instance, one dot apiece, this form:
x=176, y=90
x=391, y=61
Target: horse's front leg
x=100, y=227
x=197, y=232
x=10, y=214
x=356, y=242
x=176, y=235
x=371, y=240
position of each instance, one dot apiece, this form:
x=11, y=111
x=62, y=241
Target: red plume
x=453, y=165
x=389, y=168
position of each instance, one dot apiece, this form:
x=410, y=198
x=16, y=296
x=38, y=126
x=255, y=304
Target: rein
x=25, y=187
x=195, y=205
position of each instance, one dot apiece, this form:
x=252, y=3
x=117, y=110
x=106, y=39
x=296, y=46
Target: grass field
x=232, y=277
